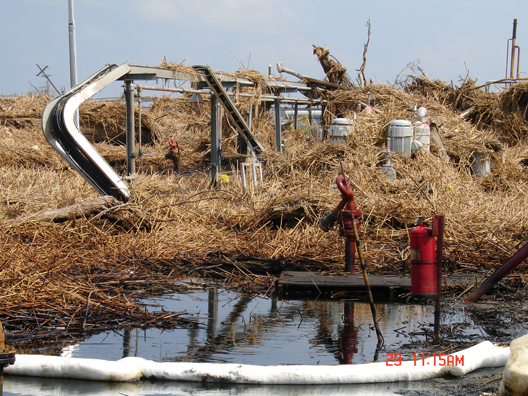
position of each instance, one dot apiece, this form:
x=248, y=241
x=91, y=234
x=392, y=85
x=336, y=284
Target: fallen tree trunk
x=81, y=209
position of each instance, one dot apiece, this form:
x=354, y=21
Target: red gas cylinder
x=423, y=262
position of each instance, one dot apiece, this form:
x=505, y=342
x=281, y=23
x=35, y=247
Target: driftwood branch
x=437, y=140
x=333, y=69
x=81, y=209
x=361, y=70
x=310, y=80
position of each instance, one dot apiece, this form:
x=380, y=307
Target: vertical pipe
x=73, y=54
x=438, y=229
x=250, y=116
x=219, y=116
x=73, y=50
x=514, y=41
x=215, y=141
x=243, y=174
x=130, y=150
x=254, y=174
x=140, y=151
x=350, y=252
x=295, y=115
x=507, y=57
x=278, y=132
x=518, y=60
x=324, y=132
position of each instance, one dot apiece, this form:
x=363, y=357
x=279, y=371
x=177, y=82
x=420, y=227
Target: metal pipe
x=254, y=174
x=350, y=255
x=295, y=115
x=206, y=92
x=250, y=115
x=501, y=81
x=500, y=273
x=73, y=50
x=507, y=57
x=215, y=142
x=518, y=58
x=73, y=54
x=438, y=230
x=278, y=131
x=130, y=150
x=514, y=42
x=243, y=174
x=349, y=213
x=140, y=152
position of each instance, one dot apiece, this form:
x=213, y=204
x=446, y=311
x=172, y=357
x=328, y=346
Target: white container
x=339, y=130
x=422, y=133
x=401, y=134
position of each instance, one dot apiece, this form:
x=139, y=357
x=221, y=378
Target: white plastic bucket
x=423, y=135
x=339, y=130
x=401, y=134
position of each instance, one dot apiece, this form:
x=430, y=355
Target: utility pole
x=42, y=71
x=73, y=53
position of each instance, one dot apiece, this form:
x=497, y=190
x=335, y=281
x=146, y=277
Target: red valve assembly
x=349, y=213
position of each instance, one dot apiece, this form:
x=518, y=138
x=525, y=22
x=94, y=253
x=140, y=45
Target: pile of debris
x=176, y=224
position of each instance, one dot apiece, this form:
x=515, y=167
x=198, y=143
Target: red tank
x=423, y=262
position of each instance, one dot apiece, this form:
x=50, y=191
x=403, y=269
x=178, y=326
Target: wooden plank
x=303, y=279
x=298, y=279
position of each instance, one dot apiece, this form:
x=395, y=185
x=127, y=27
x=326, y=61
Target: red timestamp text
x=422, y=359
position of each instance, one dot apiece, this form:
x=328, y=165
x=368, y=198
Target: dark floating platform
x=345, y=285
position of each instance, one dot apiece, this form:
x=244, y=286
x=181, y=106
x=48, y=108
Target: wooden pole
x=367, y=284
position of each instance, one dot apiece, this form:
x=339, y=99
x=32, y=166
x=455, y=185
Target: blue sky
x=443, y=36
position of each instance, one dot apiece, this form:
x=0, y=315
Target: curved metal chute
x=62, y=133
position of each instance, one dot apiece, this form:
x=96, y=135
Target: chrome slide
x=62, y=133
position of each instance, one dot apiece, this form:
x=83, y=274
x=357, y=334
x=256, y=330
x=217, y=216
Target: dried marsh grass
x=176, y=224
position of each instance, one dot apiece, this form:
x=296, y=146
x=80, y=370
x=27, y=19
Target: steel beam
x=216, y=120
x=278, y=130
x=130, y=132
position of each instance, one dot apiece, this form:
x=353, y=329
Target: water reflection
x=50, y=387
x=262, y=331
x=256, y=330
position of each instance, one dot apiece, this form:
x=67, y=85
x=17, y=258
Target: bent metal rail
x=62, y=133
